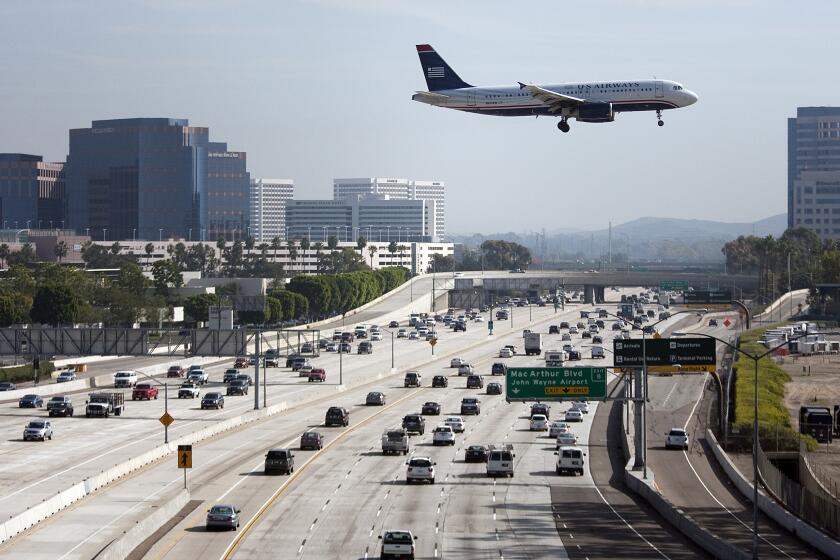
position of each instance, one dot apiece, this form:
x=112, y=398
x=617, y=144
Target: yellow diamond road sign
x=166, y=419
x=433, y=341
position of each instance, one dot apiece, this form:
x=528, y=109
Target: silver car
x=38, y=430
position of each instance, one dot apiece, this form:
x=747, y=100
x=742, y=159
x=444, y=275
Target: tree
x=60, y=250
x=275, y=245
x=442, y=263
x=14, y=308
x=392, y=249
x=372, y=250
x=149, y=249
x=332, y=242
x=403, y=249
x=26, y=255
x=292, y=251
x=131, y=279
x=166, y=274
x=115, y=248
x=361, y=243
x=197, y=307
x=4, y=253
x=57, y=305
x=304, y=248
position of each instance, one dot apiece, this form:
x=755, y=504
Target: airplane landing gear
x=659, y=117
x=563, y=125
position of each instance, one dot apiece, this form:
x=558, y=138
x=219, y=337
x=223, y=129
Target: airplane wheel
x=661, y=123
x=563, y=126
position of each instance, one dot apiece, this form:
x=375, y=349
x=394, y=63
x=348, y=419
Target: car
x=240, y=362
x=31, y=401
x=63, y=377
x=360, y=332
x=194, y=367
x=402, y=333
x=475, y=382
x=512, y=348
x=414, y=424
x=538, y=423
x=307, y=348
x=597, y=339
x=60, y=406
x=440, y=381
x=420, y=468
x=412, y=379
x=573, y=415
x=198, y=376
x=230, y=375
x=713, y=322
x=413, y=335
x=174, y=371
x=586, y=334
x=566, y=438
x=505, y=353
x=365, y=347
x=305, y=370
x=459, y=326
x=478, y=319
x=648, y=329
x=222, y=516
x=376, y=336
x=566, y=337
x=430, y=408
x=237, y=387
x=574, y=355
x=553, y=329
x=281, y=461
x=616, y=326
x=375, y=398
x=213, y=400
x=38, y=430
x=345, y=348
x=498, y=368
x=475, y=454
x=188, y=390
x=540, y=408
x=583, y=406
x=573, y=330
x=337, y=416
x=311, y=440
x=397, y=544
x=456, y=362
x=570, y=459
x=456, y=423
x=331, y=347
x=299, y=362
x=494, y=388
x=394, y=325
x=564, y=324
x=443, y=435
x=676, y=438
x=323, y=343
x=558, y=427
x=470, y=405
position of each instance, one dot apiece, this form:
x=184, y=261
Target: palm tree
x=275, y=245
x=372, y=250
x=392, y=248
x=60, y=250
x=4, y=252
x=150, y=248
x=332, y=243
x=319, y=247
x=304, y=247
x=361, y=243
x=292, y=251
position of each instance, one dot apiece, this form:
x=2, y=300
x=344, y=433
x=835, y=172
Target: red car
x=241, y=363
x=175, y=371
x=318, y=374
x=144, y=391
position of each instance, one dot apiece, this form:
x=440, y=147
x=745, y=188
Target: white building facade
x=268, y=207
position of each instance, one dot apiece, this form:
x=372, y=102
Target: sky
x=318, y=89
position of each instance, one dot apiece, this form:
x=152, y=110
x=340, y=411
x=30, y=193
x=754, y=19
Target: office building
x=32, y=192
x=394, y=189
x=377, y=219
x=268, y=208
x=814, y=170
x=151, y=178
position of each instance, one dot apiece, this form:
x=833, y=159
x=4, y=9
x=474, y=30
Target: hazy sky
x=313, y=90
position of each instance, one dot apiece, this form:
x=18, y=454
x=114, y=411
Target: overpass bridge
x=477, y=288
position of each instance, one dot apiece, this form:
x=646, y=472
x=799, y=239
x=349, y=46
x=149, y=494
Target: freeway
x=85, y=528
x=691, y=479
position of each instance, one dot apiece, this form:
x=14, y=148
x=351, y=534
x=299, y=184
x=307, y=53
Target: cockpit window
x=677, y=88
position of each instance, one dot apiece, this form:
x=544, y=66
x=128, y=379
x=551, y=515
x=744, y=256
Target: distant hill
x=678, y=229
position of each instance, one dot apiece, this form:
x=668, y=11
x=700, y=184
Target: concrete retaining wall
x=770, y=508
x=122, y=546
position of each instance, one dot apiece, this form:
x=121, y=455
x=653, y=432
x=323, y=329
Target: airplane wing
x=556, y=101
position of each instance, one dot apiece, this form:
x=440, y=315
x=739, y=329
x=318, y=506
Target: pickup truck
x=104, y=404
x=145, y=391
x=198, y=376
x=125, y=379
x=188, y=391
x=395, y=441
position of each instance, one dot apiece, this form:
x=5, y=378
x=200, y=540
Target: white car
x=676, y=438
x=456, y=423
x=478, y=319
x=443, y=435
x=375, y=336
x=456, y=362
x=539, y=423
x=420, y=468
x=570, y=459
x=402, y=333
x=422, y=331
x=583, y=406
x=125, y=379
x=567, y=438
x=397, y=544
x=38, y=429
x=568, y=348
x=466, y=369
x=558, y=427
x=573, y=415
x=412, y=335
x=331, y=347
x=66, y=376
x=505, y=353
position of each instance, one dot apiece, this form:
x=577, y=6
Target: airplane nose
x=691, y=97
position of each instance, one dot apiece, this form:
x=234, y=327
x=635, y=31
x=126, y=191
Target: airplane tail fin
x=437, y=72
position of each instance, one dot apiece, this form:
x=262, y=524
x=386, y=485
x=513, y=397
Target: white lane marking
x=647, y=542
x=254, y=469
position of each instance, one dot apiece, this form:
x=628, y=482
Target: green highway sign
x=673, y=285
x=717, y=296
x=555, y=384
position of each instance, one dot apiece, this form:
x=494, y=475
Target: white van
x=500, y=460
x=570, y=459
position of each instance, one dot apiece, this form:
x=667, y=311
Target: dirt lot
x=816, y=381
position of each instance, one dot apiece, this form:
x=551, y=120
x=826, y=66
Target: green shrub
x=23, y=373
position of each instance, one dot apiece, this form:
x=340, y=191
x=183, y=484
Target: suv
x=498, y=368
x=456, y=362
x=412, y=379
x=414, y=423
x=466, y=369
x=470, y=405
x=311, y=440
x=440, y=381
x=494, y=389
x=430, y=409
x=553, y=329
x=279, y=460
x=60, y=406
x=229, y=375
x=443, y=435
x=397, y=544
x=365, y=347
x=475, y=382
x=420, y=468
x=676, y=438
x=337, y=416
x=237, y=387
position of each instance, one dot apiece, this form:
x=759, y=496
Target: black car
x=7, y=386
x=564, y=325
x=476, y=454
x=597, y=339
x=648, y=329
x=279, y=460
x=213, y=400
x=553, y=329
x=365, y=347
x=237, y=387
x=291, y=358
x=586, y=334
x=494, y=389
x=430, y=409
x=375, y=398
x=60, y=406
x=574, y=354
x=470, y=405
x=245, y=377
x=345, y=348
x=30, y=401
x=540, y=408
x=440, y=381
x=498, y=368
x=600, y=324
x=222, y=516
x=460, y=326
x=414, y=423
x=337, y=416
x=311, y=440
x=394, y=325
x=616, y=326
x=475, y=382
x=713, y=322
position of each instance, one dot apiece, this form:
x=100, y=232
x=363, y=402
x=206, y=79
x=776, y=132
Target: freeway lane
x=692, y=480
x=87, y=539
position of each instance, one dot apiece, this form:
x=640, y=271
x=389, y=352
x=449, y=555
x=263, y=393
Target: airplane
x=593, y=102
